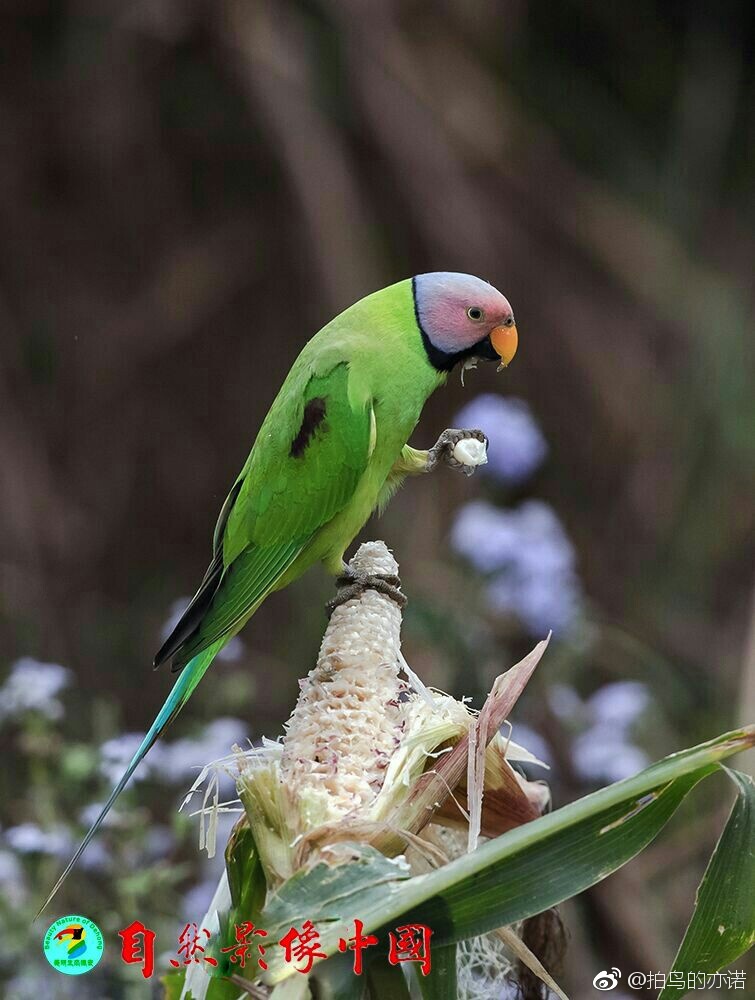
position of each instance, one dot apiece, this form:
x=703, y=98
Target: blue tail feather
x=179, y=695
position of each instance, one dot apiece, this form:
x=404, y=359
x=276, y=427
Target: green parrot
x=332, y=449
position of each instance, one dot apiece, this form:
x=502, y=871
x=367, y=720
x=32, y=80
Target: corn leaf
x=173, y=984
x=384, y=980
x=440, y=984
x=335, y=980
x=482, y=893
x=723, y=923
x=512, y=877
x=239, y=898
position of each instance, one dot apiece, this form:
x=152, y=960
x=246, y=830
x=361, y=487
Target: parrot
x=332, y=449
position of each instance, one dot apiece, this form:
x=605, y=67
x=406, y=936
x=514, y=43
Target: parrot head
x=463, y=319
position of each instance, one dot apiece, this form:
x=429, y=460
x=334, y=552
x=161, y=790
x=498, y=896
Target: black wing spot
x=314, y=414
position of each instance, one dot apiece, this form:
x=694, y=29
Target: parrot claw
x=351, y=585
x=444, y=447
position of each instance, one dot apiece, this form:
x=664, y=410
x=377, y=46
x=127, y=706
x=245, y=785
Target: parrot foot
x=444, y=450
x=352, y=584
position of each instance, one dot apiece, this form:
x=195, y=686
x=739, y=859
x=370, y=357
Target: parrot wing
x=310, y=453
x=200, y=602
x=308, y=458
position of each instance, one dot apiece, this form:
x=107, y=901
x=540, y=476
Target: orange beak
x=505, y=340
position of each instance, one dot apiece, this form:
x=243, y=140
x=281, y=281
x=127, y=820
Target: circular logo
x=607, y=979
x=73, y=945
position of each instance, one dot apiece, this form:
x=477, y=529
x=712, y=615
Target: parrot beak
x=505, y=340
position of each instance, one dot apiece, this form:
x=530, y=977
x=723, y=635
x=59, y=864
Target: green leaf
x=512, y=877
x=293, y=988
x=316, y=894
x=513, y=881
x=246, y=883
x=173, y=981
x=335, y=979
x=385, y=980
x=723, y=923
x=246, y=879
x=440, y=983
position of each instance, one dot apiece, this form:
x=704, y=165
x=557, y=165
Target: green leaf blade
x=509, y=878
x=550, y=870
x=440, y=983
x=722, y=926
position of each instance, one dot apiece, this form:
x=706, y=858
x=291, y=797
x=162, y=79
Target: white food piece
x=468, y=365
x=471, y=452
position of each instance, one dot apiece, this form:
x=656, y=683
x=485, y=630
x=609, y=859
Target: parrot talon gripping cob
x=332, y=449
x=352, y=584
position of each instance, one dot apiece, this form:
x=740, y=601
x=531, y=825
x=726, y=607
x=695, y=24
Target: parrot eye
x=475, y=314
x=509, y=321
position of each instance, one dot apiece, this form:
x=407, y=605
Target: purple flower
x=183, y=758
x=32, y=686
x=12, y=882
x=96, y=858
x=484, y=535
x=517, y=447
x=619, y=704
x=28, y=838
x=89, y=814
x=160, y=842
x=603, y=754
x=172, y=762
x=530, y=560
x=196, y=900
x=565, y=702
x=540, y=583
x=232, y=651
x=34, y=981
x=118, y=751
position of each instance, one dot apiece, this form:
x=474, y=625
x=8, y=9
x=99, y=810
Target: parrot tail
x=179, y=695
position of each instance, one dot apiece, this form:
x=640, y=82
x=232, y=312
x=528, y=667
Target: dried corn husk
x=371, y=757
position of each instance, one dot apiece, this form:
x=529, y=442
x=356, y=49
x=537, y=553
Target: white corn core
x=348, y=720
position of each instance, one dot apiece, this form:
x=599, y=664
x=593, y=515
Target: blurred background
x=188, y=190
